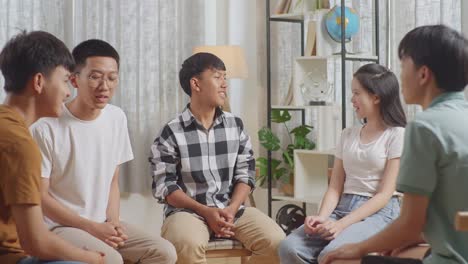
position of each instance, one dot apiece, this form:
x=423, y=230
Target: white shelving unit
x=311, y=71
x=311, y=174
x=287, y=107
x=313, y=200
x=297, y=17
x=312, y=167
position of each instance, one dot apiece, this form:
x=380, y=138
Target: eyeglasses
x=97, y=79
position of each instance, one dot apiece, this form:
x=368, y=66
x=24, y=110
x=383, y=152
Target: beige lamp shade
x=232, y=56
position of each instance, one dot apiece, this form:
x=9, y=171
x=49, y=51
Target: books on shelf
x=311, y=40
x=296, y=7
x=282, y=7
x=292, y=6
x=324, y=45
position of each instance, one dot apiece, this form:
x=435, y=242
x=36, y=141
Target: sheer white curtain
x=406, y=15
x=31, y=15
x=153, y=38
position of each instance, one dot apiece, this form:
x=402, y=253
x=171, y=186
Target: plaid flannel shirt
x=204, y=164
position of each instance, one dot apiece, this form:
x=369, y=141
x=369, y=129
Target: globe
x=333, y=23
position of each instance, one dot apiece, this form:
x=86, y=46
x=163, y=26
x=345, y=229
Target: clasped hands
x=111, y=232
x=221, y=221
x=325, y=228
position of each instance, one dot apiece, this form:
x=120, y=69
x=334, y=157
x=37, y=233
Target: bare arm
x=408, y=226
x=64, y=216
x=179, y=199
x=330, y=199
x=59, y=213
x=380, y=199
x=240, y=194
x=330, y=229
x=38, y=241
x=113, y=206
x=334, y=191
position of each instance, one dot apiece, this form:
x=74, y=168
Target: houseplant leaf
x=280, y=173
x=280, y=116
x=268, y=140
x=288, y=156
x=301, y=131
x=262, y=165
x=303, y=143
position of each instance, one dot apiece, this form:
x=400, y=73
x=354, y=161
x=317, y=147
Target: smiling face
x=54, y=92
x=365, y=104
x=97, y=81
x=210, y=87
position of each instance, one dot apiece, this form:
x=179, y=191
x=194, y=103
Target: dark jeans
x=33, y=260
x=389, y=260
x=392, y=260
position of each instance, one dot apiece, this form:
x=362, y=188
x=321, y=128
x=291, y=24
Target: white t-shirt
x=364, y=164
x=80, y=157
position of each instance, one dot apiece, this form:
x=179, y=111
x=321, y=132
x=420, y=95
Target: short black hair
x=27, y=54
x=195, y=65
x=93, y=48
x=443, y=50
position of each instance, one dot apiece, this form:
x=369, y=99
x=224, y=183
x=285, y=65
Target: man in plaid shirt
x=203, y=170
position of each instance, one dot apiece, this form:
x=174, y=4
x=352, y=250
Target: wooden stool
x=227, y=248
x=461, y=221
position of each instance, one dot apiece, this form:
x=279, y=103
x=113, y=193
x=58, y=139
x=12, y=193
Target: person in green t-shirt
x=434, y=165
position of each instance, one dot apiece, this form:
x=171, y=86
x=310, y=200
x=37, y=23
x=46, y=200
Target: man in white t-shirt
x=82, y=151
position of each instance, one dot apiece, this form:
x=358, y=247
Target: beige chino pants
x=139, y=248
x=190, y=235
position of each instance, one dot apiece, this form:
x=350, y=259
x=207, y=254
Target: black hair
x=195, y=65
x=380, y=81
x=443, y=50
x=93, y=48
x=27, y=54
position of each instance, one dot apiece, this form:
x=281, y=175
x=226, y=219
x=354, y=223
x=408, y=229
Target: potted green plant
x=282, y=169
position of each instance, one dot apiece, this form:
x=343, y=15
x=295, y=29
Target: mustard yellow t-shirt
x=20, y=169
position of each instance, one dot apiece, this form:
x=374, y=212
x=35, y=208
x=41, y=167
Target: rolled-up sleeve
x=164, y=161
x=244, y=170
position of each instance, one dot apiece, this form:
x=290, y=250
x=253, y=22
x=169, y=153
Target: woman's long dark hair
x=379, y=80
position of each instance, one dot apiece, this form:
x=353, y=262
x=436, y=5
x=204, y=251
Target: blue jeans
x=299, y=248
x=33, y=260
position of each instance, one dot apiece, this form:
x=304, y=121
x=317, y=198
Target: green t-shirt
x=434, y=163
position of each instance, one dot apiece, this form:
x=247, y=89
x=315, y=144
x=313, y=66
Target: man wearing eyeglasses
x=81, y=154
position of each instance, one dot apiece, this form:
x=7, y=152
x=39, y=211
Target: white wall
x=245, y=95
x=143, y=211
x=464, y=15
x=241, y=30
